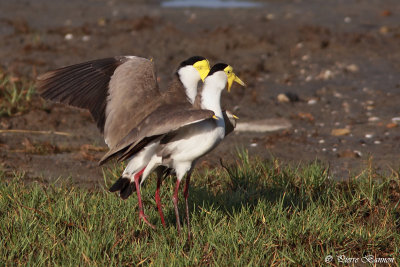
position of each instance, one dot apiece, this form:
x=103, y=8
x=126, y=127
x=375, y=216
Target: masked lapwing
x=179, y=136
x=120, y=92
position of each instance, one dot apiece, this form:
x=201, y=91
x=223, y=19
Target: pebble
x=270, y=16
x=377, y=142
x=69, y=36
x=312, y=101
x=260, y=126
x=396, y=120
x=347, y=19
x=327, y=74
x=373, y=119
x=322, y=141
x=348, y=154
x=352, y=68
x=384, y=29
x=253, y=144
x=282, y=98
x=391, y=125
x=86, y=38
x=340, y=132
x=369, y=136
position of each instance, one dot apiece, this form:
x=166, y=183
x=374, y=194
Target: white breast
x=199, y=140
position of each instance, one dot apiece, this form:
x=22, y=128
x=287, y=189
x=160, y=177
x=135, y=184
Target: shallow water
x=210, y=4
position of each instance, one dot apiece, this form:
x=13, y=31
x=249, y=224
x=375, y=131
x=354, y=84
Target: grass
x=251, y=213
x=15, y=94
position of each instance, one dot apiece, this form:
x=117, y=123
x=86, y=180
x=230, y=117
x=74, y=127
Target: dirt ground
x=338, y=61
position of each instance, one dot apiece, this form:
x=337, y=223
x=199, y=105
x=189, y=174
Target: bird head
x=226, y=71
x=195, y=65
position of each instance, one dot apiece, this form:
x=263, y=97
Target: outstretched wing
x=164, y=120
x=117, y=91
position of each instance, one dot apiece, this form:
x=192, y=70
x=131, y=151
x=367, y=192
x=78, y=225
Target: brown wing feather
x=119, y=92
x=133, y=95
x=83, y=85
x=165, y=119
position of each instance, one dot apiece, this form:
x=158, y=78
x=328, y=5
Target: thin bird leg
x=186, y=194
x=137, y=178
x=158, y=199
x=175, y=200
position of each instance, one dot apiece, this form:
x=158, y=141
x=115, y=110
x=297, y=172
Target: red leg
x=186, y=194
x=158, y=199
x=141, y=212
x=175, y=200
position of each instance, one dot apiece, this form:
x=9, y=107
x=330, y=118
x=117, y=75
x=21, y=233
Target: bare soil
x=340, y=58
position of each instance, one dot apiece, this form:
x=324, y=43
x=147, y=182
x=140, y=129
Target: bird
x=179, y=146
x=120, y=92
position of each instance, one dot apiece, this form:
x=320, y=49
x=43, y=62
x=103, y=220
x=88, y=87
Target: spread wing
x=164, y=120
x=117, y=91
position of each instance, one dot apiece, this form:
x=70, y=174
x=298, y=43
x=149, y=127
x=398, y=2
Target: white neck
x=211, y=94
x=189, y=77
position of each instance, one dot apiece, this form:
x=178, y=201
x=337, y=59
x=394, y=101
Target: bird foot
x=144, y=218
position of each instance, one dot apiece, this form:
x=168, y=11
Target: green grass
x=251, y=213
x=15, y=94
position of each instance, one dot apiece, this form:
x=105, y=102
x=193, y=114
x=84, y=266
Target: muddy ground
x=341, y=59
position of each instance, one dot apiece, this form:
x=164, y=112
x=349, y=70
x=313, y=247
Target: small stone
x=340, y=132
x=348, y=154
x=86, y=38
x=352, y=68
x=253, y=144
x=306, y=116
x=305, y=57
x=369, y=136
x=309, y=78
x=369, y=108
x=391, y=125
x=69, y=36
x=377, y=142
x=299, y=45
x=312, y=101
x=384, y=30
x=358, y=153
x=386, y=13
x=327, y=74
x=347, y=19
x=373, y=119
x=270, y=16
x=101, y=22
x=396, y=120
x=282, y=98
x=322, y=141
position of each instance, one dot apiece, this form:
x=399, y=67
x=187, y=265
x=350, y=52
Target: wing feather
x=165, y=119
x=83, y=85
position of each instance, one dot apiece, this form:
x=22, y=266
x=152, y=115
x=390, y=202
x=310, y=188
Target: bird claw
x=144, y=218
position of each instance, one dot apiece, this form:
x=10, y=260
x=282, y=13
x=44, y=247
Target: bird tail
x=125, y=186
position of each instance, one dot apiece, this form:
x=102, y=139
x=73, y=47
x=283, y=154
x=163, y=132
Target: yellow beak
x=203, y=67
x=233, y=78
x=204, y=73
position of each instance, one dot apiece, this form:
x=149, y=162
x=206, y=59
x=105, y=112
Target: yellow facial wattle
x=203, y=67
x=232, y=78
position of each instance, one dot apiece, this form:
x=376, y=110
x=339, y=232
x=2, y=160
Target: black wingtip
x=127, y=191
x=120, y=184
x=124, y=186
